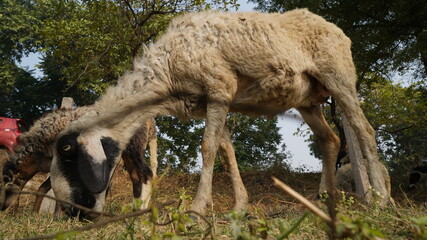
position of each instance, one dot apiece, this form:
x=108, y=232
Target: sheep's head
x=81, y=170
x=8, y=199
x=15, y=172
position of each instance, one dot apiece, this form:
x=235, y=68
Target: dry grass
x=269, y=209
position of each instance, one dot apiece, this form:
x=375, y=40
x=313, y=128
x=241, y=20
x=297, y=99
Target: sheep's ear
x=95, y=165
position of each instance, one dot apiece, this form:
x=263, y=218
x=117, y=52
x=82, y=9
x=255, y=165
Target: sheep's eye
x=67, y=145
x=66, y=148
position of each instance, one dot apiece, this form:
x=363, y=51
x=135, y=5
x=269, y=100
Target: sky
x=296, y=145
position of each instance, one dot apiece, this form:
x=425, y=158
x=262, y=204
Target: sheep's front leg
x=215, y=120
x=153, y=156
x=329, y=145
x=44, y=189
x=226, y=150
x=141, y=176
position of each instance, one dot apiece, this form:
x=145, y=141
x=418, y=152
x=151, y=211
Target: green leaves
x=420, y=227
x=257, y=142
x=398, y=115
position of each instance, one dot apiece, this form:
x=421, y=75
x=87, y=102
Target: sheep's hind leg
x=226, y=150
x=216, y=116
x=329, y=144
x=349, y=104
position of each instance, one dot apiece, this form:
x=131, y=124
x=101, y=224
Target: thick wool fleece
x=41, y=136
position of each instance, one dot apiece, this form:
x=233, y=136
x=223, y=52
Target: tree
x=17, y=28
x=179, y=143
x=257, y=142
x=397, y=114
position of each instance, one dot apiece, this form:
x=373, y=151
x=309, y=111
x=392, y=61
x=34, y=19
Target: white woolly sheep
x=206, y=65
x=34, y=155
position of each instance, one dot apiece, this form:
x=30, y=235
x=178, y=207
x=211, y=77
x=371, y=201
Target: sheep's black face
x=81, y=170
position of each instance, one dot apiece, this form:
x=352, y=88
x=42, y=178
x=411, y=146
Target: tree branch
x=101, y=223
x=65, y=202
x=397, y=130
x=313, y=208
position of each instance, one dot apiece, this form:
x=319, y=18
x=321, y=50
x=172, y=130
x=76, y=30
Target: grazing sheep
x=418, y=176
x=34, y=155
x=345, y=179
x=344, y=176
x=209, y=64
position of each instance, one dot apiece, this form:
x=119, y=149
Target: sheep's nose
x=75, y=212
x=70, y=211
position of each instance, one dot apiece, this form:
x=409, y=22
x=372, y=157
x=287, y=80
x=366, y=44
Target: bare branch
x=397, y=130
x=102, y=222
x=313, y=208
x=65, y=202
x=87, y=66
x=135, y=17
x=208, y=230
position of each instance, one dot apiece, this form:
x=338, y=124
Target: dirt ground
x=258, y=184
x=262, y=194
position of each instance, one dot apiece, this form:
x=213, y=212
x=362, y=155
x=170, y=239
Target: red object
x=10, y=129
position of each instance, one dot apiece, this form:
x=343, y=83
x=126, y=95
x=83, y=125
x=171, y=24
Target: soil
x=258, y=184
x=262, y=193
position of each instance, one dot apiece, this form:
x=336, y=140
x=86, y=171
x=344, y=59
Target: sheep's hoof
x=199, y=205
x=241, y=206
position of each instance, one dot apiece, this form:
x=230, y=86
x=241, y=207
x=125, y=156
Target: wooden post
x=67, y=103
x=358, y=164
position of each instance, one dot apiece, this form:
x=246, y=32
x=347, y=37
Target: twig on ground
x=102, y=222
x=313, y=208
x=209, y=229
x=88, y=210
x=275, y=199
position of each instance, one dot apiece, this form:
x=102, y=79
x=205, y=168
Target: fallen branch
x=88, y=210
x=313, y=208
x=208, y=230
x=101, y=223
x=275, y=199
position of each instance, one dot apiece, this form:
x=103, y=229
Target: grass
x=271, y=215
